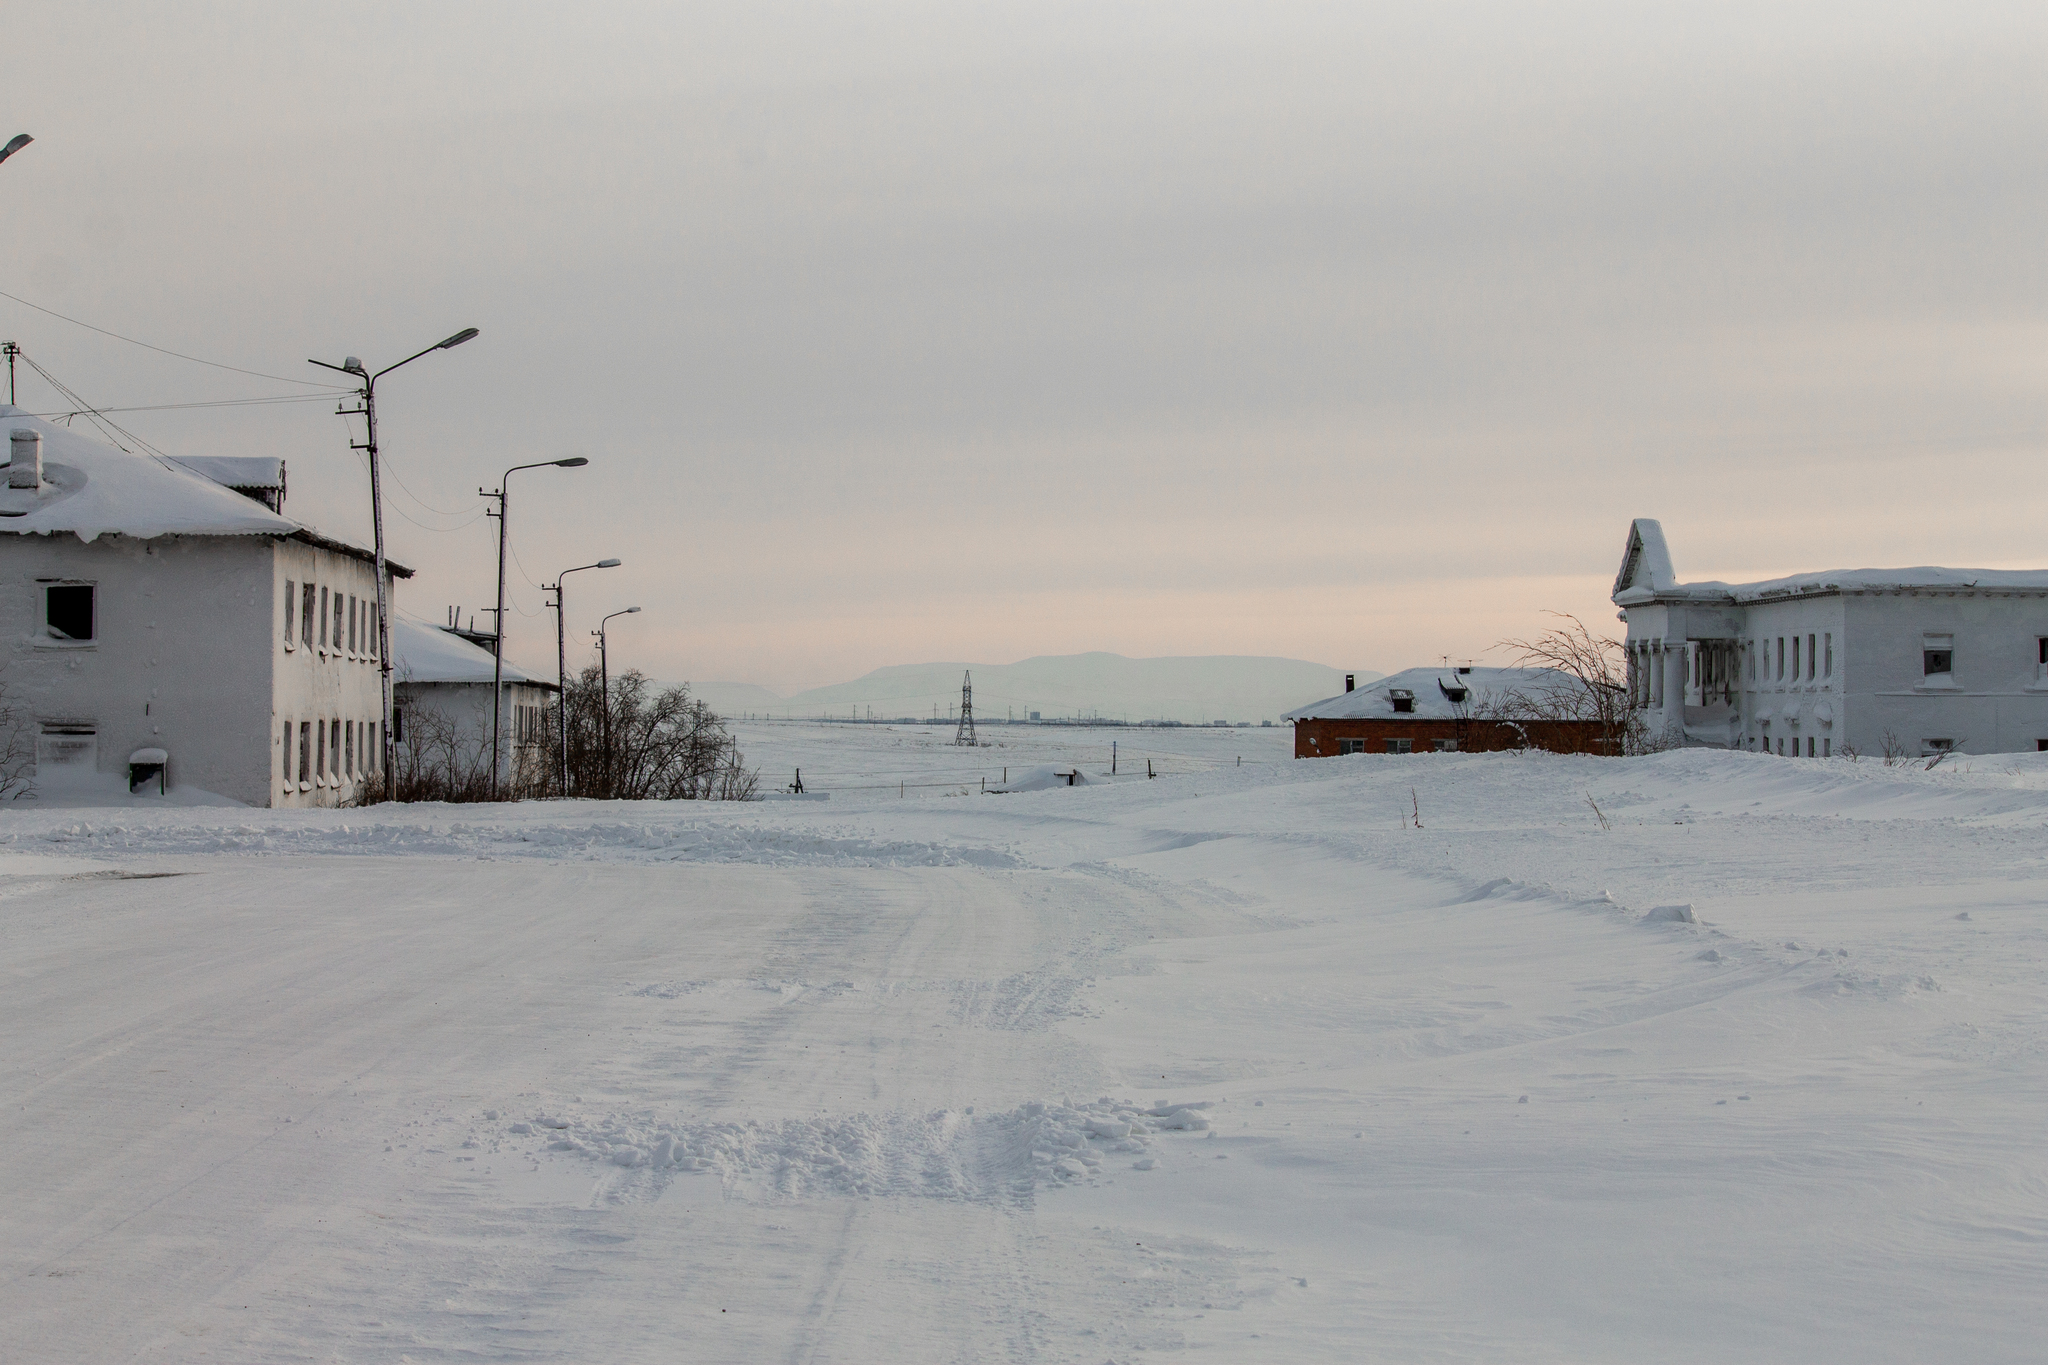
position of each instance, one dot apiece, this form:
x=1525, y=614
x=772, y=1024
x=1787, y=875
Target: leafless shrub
x=664, y=745
x=1598, y=814
x=17, y=750
x=1953, y=748
x=1893, y=748
x=1590, y=683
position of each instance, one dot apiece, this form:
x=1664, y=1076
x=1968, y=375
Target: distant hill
x=1203, y=688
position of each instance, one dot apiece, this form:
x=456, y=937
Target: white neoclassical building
x=163, y=613
x=1920, y=659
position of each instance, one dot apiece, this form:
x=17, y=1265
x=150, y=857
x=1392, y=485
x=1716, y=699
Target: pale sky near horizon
x=905, y=332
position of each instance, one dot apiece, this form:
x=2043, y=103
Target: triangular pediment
x=1646, y=563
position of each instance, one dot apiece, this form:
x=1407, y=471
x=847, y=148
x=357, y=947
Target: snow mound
x=425, y=830
x=1046, y=776
x=1669, y=914
x=941, y=1154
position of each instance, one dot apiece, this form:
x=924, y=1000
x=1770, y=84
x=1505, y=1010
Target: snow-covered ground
x=1238, y=1061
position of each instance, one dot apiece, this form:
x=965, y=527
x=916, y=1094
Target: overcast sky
x=1348, y=332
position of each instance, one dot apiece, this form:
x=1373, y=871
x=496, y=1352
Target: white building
x=442, y=706
x=1920, y=659
x=148, y=606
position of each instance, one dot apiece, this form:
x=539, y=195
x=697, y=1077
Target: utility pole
x=964, y=736
x=12, y=351
x=498, y=653
x=604, y=676
x=367, y=397
x=562, y=663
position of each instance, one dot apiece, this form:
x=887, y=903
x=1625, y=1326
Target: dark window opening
x=1400, y=746
x=1937, y=660
x=69, y=611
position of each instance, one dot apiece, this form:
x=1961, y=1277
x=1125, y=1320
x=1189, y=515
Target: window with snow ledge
x=70, y=614
x=1937, y=661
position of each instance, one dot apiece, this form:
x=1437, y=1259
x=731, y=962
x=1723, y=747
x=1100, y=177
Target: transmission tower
x=965, y=734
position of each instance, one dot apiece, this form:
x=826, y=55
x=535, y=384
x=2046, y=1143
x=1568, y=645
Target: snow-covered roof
x=421, y=653
x=1647, y=576
x=236, y=471
x=90, y=490
x=1436, y=693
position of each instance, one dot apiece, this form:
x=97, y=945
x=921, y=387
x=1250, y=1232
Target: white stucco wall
x=179, y=661
x=189, y=654
x=320, y=683
x=466, y=708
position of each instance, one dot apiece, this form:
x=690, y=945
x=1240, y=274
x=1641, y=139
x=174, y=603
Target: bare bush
x=664, y=745
x=17, y=750
x=1589, y=683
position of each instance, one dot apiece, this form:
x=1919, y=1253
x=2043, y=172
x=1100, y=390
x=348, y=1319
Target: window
x=1781, y=746
x=1795, y=658
x=2041, y=746
x=1781, y=659
x=334, y=748
x=1446, y=746
x=339, y=633
x=306, y=614
x=1809, y=740
x=1403, y=699
x=351, y=625
x=291, y=613
x=373, y=757
x=68, y=612
x=1936, y=746
x=284, y=758
x=305, y=751
x=1935, y=661
x=1811, y=661
x=1350, y=746
x=320, y=755
x=1400, y=746
x=376, y=635
x=348, y=748
x=1827, y=748
x=1829, y=671
x=398, y=724
x=323, y=618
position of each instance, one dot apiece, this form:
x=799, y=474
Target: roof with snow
x=90, y=489
x=421, y=653
x=1647, y=576
x=1438, y=693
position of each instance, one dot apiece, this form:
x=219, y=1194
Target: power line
x=162, y=350
x=214, y=403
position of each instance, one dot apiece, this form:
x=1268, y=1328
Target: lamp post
x=15, y=144
x=498, y=654
x=562, y=661
x=604, y=676
x=368, y=411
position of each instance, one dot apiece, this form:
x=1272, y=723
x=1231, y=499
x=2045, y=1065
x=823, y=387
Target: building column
x=1674, y=684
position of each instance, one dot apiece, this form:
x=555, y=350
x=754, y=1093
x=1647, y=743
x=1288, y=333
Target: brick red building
x=1441, y=710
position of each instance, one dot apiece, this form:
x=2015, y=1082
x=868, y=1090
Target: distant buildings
x=1446, y=710
x=441, y=690
x=1913, y=660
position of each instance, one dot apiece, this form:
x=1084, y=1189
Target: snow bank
x=942, y=1154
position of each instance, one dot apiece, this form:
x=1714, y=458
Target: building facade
x=149, y=607
x=442, y=708
x=1866, y=661
x=1448, y=710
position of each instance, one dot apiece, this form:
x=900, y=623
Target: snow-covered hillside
x=1192, y=690
x=1701, y=1056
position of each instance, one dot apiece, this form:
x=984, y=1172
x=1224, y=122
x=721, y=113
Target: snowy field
x=1238, y=1063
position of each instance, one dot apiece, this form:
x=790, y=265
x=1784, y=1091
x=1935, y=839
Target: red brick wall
x=1318, y=738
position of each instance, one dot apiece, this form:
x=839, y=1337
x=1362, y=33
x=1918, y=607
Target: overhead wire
x=165, y=350
x=213, y=403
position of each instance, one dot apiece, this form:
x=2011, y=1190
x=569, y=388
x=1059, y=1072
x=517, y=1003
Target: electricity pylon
x=965, y=734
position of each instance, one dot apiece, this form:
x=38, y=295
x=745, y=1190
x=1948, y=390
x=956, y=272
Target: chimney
x=1350, y=681
x=25, y=469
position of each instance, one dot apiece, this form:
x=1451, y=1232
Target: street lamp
x=562, y=659
x=604, y=676
x=15, y=144
x=368, y=394
x=498, y=663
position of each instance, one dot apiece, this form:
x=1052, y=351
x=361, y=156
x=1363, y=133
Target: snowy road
x=918, y=1080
